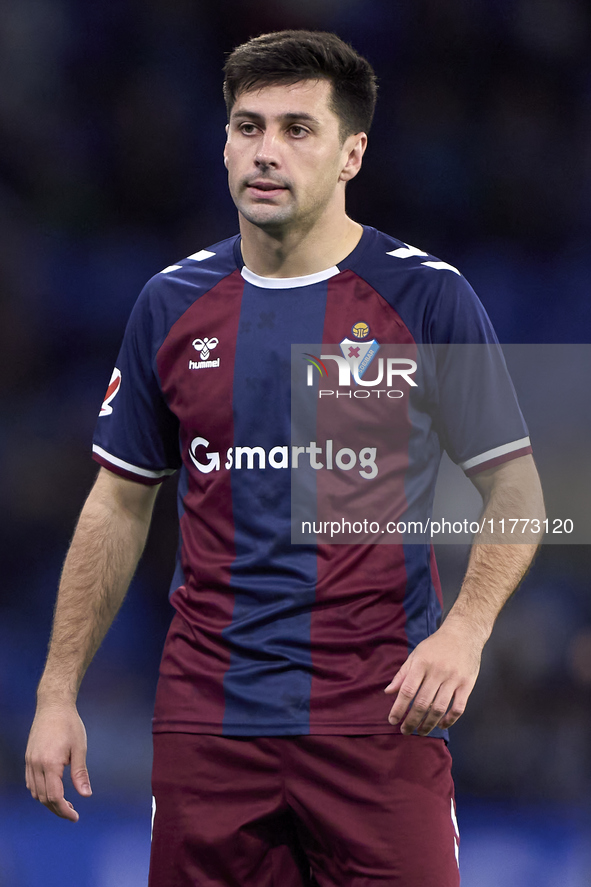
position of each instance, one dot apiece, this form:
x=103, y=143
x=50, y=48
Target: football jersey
x=270, y=398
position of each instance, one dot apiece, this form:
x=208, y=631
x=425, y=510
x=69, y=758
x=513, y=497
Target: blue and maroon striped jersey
x=272, y=636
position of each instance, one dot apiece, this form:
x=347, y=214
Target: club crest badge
x=359, y=354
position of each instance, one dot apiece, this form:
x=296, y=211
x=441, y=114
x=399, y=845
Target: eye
x=247, y=129
x=297, y=131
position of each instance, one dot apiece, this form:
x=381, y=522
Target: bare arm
x=440, y=673
x=107, y=544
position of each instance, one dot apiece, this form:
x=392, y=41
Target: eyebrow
x=287, y=117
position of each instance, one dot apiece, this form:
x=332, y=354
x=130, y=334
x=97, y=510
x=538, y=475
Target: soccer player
x=278, y=758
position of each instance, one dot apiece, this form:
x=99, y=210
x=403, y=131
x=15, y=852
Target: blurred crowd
x=111, y=137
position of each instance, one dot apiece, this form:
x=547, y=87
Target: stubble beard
x=268, y=218
x=281, y=220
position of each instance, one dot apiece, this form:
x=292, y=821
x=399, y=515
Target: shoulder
x=384, y=255
x=431, y=294
x=196, y=273
x=170, y=292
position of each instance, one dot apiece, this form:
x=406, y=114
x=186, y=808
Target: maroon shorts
x=334, y=811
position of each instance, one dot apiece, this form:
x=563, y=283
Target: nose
x=267, y=154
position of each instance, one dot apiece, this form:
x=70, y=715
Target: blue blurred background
x=111, y=135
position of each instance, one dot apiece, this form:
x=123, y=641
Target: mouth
x=265, y=190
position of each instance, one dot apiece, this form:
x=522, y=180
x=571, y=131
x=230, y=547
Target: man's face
x=284, y=154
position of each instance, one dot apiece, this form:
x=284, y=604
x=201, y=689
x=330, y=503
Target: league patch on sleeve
x=114, y=386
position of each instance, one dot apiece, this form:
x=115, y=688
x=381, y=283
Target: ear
x=225, y=146
x=353, y=151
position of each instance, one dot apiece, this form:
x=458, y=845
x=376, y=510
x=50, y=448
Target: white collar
x=286, y=283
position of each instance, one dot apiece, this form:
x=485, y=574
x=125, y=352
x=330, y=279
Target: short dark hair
x=291, y=56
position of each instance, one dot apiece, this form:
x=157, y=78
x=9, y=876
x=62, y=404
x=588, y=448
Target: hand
x=57, y=738
x=436, y=680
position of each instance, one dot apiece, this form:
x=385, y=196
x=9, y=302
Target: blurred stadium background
x=111, y=133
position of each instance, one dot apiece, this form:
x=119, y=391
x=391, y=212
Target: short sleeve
x=478, y=417
x=136, y=434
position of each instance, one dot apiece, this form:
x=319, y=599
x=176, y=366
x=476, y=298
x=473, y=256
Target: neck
x=297, y=253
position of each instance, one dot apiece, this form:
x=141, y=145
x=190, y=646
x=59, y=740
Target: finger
x=54, y=798
x=64, y=809
x=403, y=702
x=48, y=782
x=32, y=782
x=38, y=783
x=29, y=780
x=398, y=679
x=456, y=709
x=438, y=709
x=79, y=773
x=420, y=706
x=413, y=675
x=407, y=692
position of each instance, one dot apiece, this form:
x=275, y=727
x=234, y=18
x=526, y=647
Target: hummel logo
x=205, y=346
